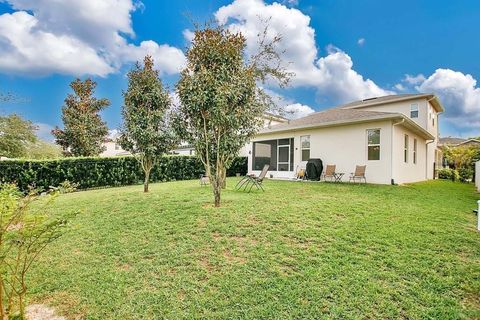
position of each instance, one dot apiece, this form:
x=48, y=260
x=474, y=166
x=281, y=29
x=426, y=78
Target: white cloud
x=361, y=41
x=414, y=79
x=459, y=94
x=188, y=35
x=76, y=37
x=297, y=110
x=400, y=87
x=332, y=75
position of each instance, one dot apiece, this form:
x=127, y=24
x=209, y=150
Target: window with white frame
x=414, y=110
x=305, y=147
x=415, y=151
x=405, y=149
x=373, y=144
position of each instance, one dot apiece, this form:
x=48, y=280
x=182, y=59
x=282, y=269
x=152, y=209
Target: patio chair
x=252, y=180
x=329, y=172
x=301, y=172
x=359, y=174
x=204, y=180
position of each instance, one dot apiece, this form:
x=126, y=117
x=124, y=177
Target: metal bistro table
x=338, y=176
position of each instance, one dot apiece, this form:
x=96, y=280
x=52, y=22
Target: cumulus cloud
x=414, y=79
x=361, y=41
x=459, y=94
x=297, y=110
x=76, y=37
x=333, y=75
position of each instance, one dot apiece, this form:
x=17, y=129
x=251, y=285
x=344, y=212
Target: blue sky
x=340, y=50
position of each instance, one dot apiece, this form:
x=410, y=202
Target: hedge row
x=102, y=172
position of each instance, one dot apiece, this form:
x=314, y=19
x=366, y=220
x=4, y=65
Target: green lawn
x=299, y=250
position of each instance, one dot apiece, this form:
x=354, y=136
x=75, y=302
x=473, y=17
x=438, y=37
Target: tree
x=84, y=130
x=43, y=150
x=146, y=131
x=220, y=102
x=24, y=234
x=15, y=136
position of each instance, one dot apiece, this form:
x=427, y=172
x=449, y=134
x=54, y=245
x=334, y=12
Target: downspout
x=391, y=156
x=426, y=145
x=426, y=159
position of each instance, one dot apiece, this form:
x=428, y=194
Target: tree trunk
x=2, y=308
x=224, y=178
x=145, y=182
x=217, y=189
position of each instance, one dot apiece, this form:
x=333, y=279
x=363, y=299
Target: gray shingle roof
x=331, y=116
x=384, y=99
x=450, y=141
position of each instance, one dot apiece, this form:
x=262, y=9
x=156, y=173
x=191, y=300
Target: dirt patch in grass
x=64, y=303
x=42, y=312
x=233, y=259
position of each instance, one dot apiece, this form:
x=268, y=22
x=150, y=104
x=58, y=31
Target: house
x=112, y=147
x=184, y=149
x=458, y=142
x=395, y=136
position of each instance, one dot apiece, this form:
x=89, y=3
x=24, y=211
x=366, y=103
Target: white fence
x=477, y=175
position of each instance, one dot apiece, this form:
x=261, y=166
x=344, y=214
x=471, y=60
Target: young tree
x=24, y=233
x=220, y=102
x=16, y=134
x=146, y=132
x=84, y=130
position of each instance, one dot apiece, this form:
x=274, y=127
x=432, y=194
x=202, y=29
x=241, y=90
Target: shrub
x=447, y=173
x=102, y=172
x=465, y=174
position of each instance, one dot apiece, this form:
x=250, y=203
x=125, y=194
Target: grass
x=299, y=250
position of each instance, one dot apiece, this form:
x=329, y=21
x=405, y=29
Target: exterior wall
x=344, y=146
x=477, y=175
x=184, y=151
x=409, y=172
x=111, y=150
x=427, y=119
x=425, y=113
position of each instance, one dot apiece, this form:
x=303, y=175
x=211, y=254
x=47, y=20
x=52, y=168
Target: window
x=405, y=149
x=414, y=110
x=373, y=141
x=117, y=146
x=278, y=154
x=415, y=151
x=305, y=146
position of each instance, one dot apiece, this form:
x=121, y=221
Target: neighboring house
x=112, y=147
x=452, y=142
x=457, y=142
x=395, y=136
x=184, y=149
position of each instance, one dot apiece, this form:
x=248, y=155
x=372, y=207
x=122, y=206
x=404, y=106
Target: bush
x=447, y=173
x=465, y=174
x=101, y=172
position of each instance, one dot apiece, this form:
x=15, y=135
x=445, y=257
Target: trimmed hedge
x=103, y=172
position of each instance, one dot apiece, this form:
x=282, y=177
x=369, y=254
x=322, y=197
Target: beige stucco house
x=394, y=136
